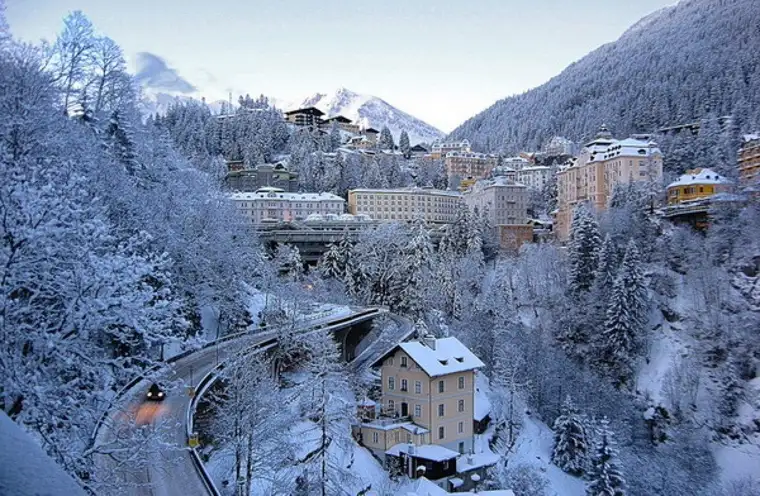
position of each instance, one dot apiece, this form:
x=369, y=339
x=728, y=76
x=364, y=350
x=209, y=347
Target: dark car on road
x=155, y=393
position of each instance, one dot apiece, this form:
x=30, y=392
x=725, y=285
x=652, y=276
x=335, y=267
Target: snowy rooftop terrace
x=441, y=356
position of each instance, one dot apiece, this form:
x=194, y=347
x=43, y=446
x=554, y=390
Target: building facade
x=534, y=177
x=697, y=184
x=505, y=201
x=399, y=205
x=342, y=122
x=749, y=160
x=559, y=146
x=440, y=150
x=309, y=116
x=603, y=164
x=463, y=165
x=261, y=176
x=428, y=390
x=274, y=204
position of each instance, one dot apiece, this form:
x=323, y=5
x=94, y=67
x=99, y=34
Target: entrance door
x=404, y=409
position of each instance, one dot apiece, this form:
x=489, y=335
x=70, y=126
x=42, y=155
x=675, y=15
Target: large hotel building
x=602, y=164
x=275, y=204
x=406, y=204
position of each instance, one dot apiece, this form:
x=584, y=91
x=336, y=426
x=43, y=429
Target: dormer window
x=459, y=359
x=444, y=362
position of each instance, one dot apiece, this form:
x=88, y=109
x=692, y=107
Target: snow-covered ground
x=533, y=448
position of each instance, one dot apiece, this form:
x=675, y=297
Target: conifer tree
x=334, y=136
x=584, y=247
x=626, y=316
x=571, y=448
x=404, y=146
x=386, y=139
x=418, y=254
x=605, y=478
x=607, y=268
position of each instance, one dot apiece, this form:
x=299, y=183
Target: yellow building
x=697, y=184
x=428, y=397
x=749, y=159
x=602, y=164
x=405, y=204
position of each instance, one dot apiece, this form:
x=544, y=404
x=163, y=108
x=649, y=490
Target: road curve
x=171, y=469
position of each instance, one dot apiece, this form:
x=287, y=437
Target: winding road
x=168, y=467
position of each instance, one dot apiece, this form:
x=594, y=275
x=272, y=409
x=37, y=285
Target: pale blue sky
x=440, y=60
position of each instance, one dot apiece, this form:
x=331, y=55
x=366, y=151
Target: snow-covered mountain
x=371, y=111
x=366, y=110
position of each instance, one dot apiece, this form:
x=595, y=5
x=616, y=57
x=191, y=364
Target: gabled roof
x=371, y=130
x=306, y=110
x=699, y=176
x=449, y=356
x=431, y=452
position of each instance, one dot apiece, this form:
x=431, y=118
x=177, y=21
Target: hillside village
x=559, y=297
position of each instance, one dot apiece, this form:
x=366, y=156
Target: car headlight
x=150, y=394
x=160, y=395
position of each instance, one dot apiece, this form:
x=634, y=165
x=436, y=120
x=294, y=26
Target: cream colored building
x=601, y=165
x=505, y=201
x=428, y=397
x=399, y=205
x=439, y=150
x=274, y=204
x=463, y=165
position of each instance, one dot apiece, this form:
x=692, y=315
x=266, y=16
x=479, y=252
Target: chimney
x=410, y=451
x=429, y=341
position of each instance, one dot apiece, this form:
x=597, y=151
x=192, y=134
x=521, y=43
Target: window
x=403, y=361
x=461, y=382
x=417, y=387
x=375, y=438
x=417, y=411
x=390, y=361
x=408, y=438
x=404, y=385
x=440, y=410
x=460, y=406
x=460, y=427
x=391, y=383
x=441, y=433
x=440, y=386
x=391, y=406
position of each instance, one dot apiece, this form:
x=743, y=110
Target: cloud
x=153, y=72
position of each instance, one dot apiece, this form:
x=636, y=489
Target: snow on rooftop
x=699, y=176
x=269, y=193
x=431, y=452
x=751, y=137
x=428, y=191
x=474, y=461
x=482, y=403
x=449, y=356
x=390, y=424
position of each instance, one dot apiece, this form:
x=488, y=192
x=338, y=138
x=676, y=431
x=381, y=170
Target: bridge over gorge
x=312, y=239
x=173, y=471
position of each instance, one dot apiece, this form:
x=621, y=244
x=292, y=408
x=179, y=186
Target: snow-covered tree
x=335, y=138
x=328, y=404
x=385, y=141
x=404, y=146
x=415, y=272
x=71, y=55
x=571, y=443
x=605, y=477
x=288, y=259
x=583, y=251
x=251, y=418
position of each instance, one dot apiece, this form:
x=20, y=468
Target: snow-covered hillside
x=372, y=111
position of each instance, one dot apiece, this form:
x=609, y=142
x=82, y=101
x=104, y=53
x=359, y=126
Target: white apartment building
x=559, y=146
x=516, y=163
x=534, y=177
x=277, y=205
x=398, y=205
x=505, y=201
x=439, y=150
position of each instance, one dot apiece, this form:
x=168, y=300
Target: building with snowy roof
x=603, y=164
x=434, y=206
x=460, y=165
x=274, y=204
x=439, y=150
x=697, y=184
x=428, y=401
